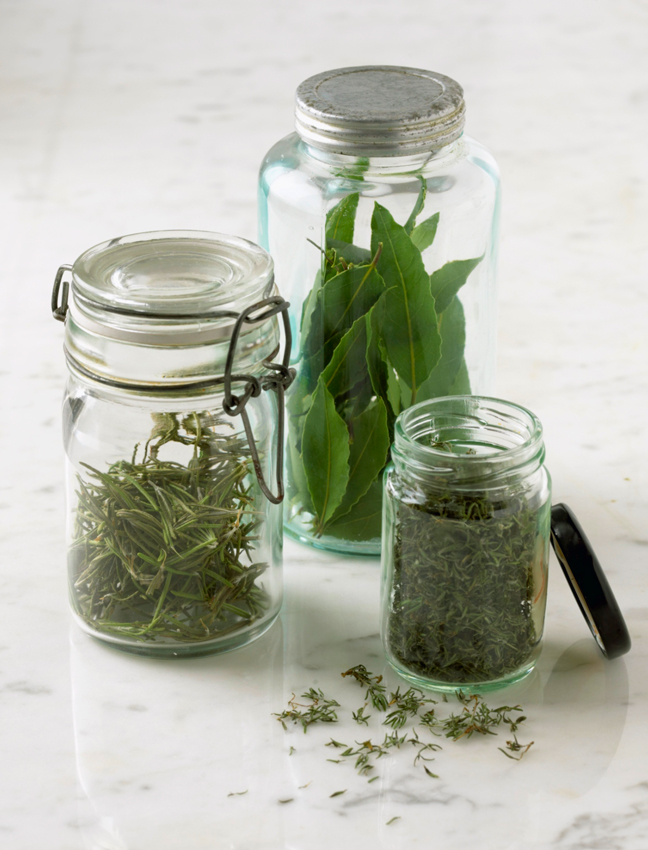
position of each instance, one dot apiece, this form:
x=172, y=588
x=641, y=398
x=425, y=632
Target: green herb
x=515, y=749
x=288, y=800
x=163, y=551
x=407, y=705
x=467, y=571
x=378, y=333
x=375, y=691
x=360, y=717
x=338, y=793
x=236, y=793
x=474, y=717
x=392, y=820
x=318, y=710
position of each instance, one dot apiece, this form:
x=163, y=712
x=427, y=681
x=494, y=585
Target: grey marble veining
x=139, y=115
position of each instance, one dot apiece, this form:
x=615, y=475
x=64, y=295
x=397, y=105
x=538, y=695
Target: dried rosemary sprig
x=163, y=551
x=463, y=586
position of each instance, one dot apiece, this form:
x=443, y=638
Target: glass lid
x=168, y=282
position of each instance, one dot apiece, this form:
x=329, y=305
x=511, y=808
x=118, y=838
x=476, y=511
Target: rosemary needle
x=163, y=551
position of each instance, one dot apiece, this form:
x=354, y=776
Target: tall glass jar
x=466, y=528
x=381, y=217
x=173, y=548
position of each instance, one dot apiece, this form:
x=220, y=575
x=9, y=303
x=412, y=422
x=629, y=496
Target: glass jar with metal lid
x=381, y=217
x=173, y=429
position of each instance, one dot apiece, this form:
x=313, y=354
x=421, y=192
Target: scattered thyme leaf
x=360, y=717
x=515, y=750
x=375, y=690
x=392, y=820
x=338, y=793
x=318, y=710
x=237, y=793
x=288, y=800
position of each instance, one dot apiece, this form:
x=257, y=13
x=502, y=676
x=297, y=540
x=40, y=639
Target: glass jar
x=381, y=217
x=174, y=543
x=466, y=527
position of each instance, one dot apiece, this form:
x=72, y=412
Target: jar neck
x=468, y=442
x=360, y=165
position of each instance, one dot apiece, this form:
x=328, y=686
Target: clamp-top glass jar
x=381, y=217
x=467, y=518
x=174, y=537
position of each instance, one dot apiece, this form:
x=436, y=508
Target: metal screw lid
x=379, y=110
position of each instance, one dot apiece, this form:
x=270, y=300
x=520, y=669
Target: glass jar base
x=300, y=531
x=180, y=650
x=468, y=687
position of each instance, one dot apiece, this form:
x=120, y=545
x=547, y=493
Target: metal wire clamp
x=279, y=380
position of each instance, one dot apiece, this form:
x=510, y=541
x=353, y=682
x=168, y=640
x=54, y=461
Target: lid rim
x=427, y=123
x=588, y=583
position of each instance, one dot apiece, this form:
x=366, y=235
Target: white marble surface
x=145, y=114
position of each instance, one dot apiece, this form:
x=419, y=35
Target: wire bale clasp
x=280, y=378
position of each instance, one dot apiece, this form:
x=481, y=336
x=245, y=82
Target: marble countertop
x=141, y=115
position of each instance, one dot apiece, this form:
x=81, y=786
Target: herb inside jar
x=163, y=550
x=468, y=577
x=378, y=332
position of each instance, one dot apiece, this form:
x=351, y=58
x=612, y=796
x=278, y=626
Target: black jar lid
x=588, y=583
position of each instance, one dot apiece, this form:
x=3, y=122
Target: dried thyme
x=463, y=586
x=474, y=716
x=163, y=551
x=317, y=710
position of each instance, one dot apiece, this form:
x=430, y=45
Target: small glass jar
x=466, y=528
x=174, y=543
x=382, y=219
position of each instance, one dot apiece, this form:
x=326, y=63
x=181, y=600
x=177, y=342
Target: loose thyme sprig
x=476, y=716
x=515, y=749
x=319, y=710
x=375, y=691
x=360, y=717
x=407, y=705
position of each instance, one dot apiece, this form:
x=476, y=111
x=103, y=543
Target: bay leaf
x=309, y=305
x=418, y=207
x=407, y=318
x=452, y=327
x=350, y=253
x=376, y=359
x=348, y=363
x=340, y=220
x=297, y=486
x=325, y=454
x=423, y=234
x=346, y=297
x=448, y=280
x=461, y=383
x=364, y=521
x=368, y=454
